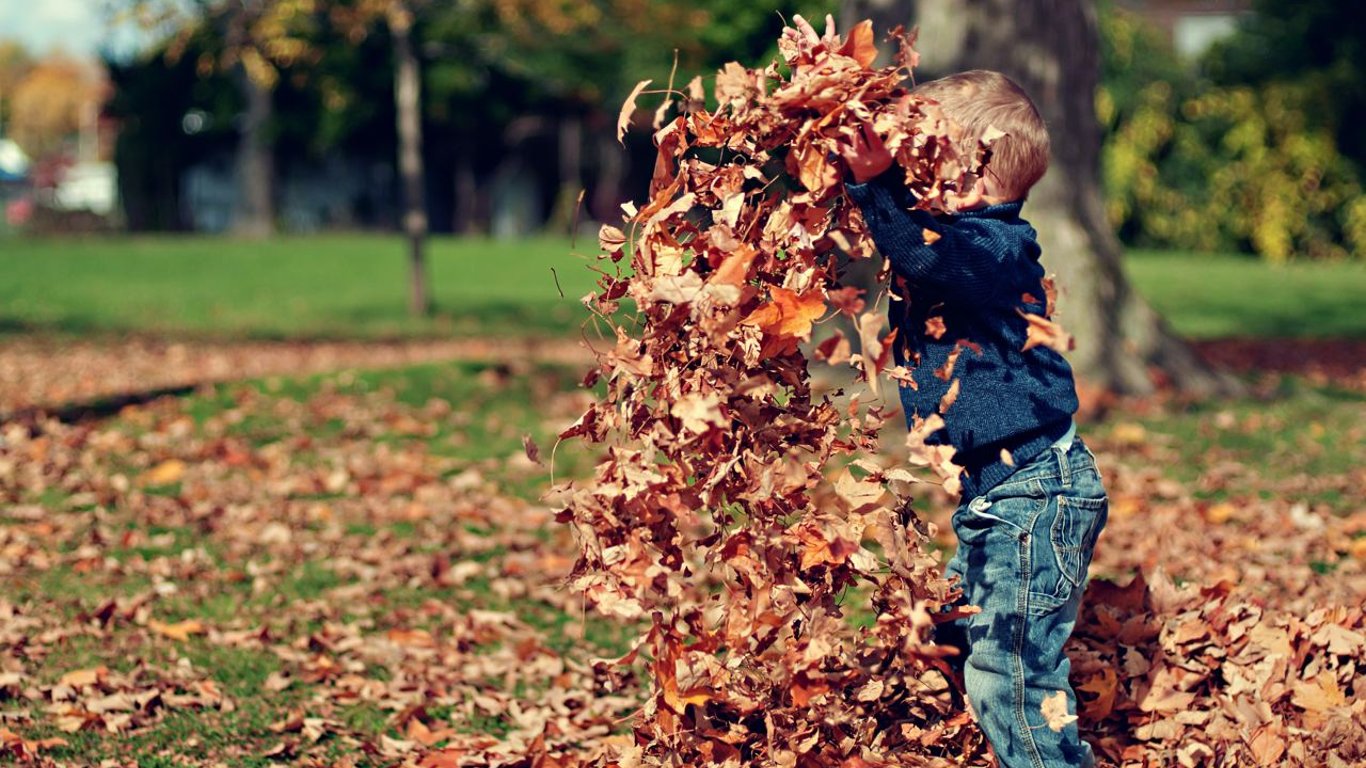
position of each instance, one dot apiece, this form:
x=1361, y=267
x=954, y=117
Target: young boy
x=1032, y=503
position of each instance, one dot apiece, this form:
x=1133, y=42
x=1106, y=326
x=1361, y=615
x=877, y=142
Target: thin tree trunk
x=1051, y=48
x=611, y=163
x=466, y=194
x=408, y=102
x=571, y=180
x=255, y=214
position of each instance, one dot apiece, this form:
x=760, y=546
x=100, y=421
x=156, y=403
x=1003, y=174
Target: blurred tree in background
x=503, y=83
x=1256, y=147
x=15, y=62
x=249, y=41
x=51, y=101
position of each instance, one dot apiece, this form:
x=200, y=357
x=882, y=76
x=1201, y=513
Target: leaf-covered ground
x=354, y=569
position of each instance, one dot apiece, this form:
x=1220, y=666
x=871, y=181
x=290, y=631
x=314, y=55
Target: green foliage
x=1195, y=165
x=1319, y=40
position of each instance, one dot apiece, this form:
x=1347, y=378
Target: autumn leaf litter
x=746, y=528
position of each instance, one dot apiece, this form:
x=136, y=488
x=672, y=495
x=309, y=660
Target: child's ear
x=991, y=187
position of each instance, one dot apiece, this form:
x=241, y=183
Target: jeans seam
x=1064, y=468
x=1017, y=660
x=1061, y=529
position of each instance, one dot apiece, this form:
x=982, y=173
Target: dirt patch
x=41, y=373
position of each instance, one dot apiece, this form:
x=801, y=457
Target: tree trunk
x=562, y=216
x=611, y=164
x=1051, y=48
x=466, y=194
x=408, y=103
x=255, y=165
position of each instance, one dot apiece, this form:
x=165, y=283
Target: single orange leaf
x=179, y=631
x=860, y=45
x=165, y=473
x=1046, y=333
x=82, y=677
x=790, y=315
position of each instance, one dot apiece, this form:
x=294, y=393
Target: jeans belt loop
x=1064, y=467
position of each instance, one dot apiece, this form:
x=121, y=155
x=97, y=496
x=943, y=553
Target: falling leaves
x=628, y=108
x=1042, y=332
x=699, y=412
x=1256, y=655
x=789, y=315
x=950, y=396
x=741, y=513
x=716, y=479
x=859, y=45
x=531, y=449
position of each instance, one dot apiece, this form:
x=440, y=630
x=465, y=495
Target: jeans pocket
x=1073, y=536
x=1010, y=514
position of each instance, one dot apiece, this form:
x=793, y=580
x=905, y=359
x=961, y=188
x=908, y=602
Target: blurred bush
x=1207, y=163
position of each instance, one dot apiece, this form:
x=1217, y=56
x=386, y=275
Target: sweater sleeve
x=965, y=259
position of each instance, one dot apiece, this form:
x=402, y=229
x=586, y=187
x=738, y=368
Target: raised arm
x=963, y=257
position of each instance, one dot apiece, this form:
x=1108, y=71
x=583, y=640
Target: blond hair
x=981, y=99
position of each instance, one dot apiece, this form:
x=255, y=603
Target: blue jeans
x=1023, y=550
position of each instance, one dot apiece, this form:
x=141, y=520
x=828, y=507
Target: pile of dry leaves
x=1200, y=676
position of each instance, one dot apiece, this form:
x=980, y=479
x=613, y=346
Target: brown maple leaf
x=789, y=315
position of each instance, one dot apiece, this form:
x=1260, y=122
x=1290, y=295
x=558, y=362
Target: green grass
x=492, y=409
x=1296, y=435
x=355, y=286
x=338, y=286
x=1221, y=295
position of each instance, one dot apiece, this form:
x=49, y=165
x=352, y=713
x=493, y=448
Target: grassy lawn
x=317, y=287
x=349, y=286
x=1214, y=296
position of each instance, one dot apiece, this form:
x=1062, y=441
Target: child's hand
x=966, y=201
x=804, y=36
x=866, y=155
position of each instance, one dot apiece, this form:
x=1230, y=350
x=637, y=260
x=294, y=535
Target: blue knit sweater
x=976, y=278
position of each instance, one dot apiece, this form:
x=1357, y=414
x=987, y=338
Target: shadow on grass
x=89, y=411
